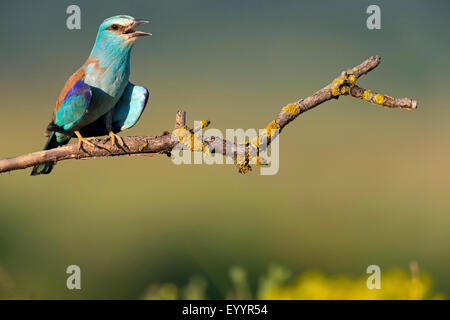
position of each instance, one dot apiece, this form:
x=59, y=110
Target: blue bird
x=98, y=99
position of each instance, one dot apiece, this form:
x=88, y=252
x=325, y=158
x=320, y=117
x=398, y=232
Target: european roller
x=98, y=98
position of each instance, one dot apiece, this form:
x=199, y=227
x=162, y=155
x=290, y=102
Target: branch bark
x=345, y=84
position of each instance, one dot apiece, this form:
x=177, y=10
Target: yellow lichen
x=205, y=149
x=196, y=143
x=141, y=147
x=244, y=168
x=205, y=123
x=292, y=108
x=255, y=142
x=366, y=94
x=259, y=161
x=353, y=79
x=272, y=126
x=340, y=80
x=181, y=133
x=193, y=141
x=245, y=143
x=379, y=98
x=343, y=90
x=244, y=163
x=335, y=91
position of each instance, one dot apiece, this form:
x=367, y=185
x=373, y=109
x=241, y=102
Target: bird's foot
x=82, y=140
x=117, y=140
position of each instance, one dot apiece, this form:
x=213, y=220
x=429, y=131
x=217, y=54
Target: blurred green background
x=357, y=185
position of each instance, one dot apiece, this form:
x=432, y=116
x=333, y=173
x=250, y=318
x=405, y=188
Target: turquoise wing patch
x=74, y=105
x=130, y=106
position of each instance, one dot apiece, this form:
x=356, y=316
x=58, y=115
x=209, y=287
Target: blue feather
x=126, y=112
x=74, y=105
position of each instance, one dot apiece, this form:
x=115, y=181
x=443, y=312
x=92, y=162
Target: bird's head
x=121, y=30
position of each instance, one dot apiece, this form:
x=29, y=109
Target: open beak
x=132, y=33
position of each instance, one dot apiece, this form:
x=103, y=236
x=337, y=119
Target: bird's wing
x=126, y=112
x=73, y=101
x=130, y=106
x=74, y=105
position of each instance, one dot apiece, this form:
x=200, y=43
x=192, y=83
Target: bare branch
x=345, y=84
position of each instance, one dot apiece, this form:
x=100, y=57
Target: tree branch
x=345, y=84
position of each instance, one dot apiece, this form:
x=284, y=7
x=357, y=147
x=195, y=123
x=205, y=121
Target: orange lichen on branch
x=344, y=83
x=271, y=127
x=293, y=109
x=191, y=140
x=382, y=99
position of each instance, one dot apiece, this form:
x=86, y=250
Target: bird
x=98, y=98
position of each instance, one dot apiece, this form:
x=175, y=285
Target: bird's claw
x=87, y=141
x=117, y=140
x=82, y=140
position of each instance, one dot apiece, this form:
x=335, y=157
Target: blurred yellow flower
x=395, y=284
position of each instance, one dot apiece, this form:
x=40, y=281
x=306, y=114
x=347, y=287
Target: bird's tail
x=47, y=167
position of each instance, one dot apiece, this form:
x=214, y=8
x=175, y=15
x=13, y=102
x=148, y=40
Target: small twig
x=180, y=119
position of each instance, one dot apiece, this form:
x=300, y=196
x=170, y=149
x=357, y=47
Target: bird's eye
x=115, y=27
